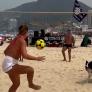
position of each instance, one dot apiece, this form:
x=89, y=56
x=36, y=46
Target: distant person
x=68, y=44
x=86, y=41
x=26, y=40
x=42, y=35
x=15, y=50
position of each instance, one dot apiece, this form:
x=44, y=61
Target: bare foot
x=69, y=61
x=35, y=87
x=64, y=60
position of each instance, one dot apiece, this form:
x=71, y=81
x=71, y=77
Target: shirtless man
x=13, y=52
x=68, y=43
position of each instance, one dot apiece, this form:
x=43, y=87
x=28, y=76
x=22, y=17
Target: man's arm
x=26, y=55
x=73, y=40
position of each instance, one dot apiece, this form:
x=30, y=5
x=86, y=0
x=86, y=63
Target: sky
x=7, y=4
x=87, y=2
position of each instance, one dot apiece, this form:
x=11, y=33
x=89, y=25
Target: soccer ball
x=40, y=44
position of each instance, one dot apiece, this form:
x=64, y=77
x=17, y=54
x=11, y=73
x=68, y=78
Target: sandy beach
x=54, y=75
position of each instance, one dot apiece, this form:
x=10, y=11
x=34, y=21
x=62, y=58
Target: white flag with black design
x=77, y=12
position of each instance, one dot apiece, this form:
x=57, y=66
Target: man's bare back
x=68, y=38
x=14, y=49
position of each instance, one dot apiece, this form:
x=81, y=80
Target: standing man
x=13, y=52
x=68, y=43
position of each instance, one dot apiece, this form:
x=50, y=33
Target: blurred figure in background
x=68, y=44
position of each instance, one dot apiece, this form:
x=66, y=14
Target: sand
x=54, y=75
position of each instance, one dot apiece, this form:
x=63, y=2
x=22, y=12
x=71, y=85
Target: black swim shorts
x=67, y=45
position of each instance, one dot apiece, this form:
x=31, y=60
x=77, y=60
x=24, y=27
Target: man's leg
x=63, y=53
x=15, y=78
x=69, y=53
x=22, y=69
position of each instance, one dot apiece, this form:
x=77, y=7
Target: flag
x=77, y=12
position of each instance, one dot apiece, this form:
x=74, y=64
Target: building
x=12, y=24
x=90, y=18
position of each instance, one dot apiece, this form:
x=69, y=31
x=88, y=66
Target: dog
x=88, y=67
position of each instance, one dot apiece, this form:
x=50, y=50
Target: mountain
x=49, y=6
x=41, y=6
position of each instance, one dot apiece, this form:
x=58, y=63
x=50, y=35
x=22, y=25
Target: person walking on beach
x=68, y=43
x=13, y=52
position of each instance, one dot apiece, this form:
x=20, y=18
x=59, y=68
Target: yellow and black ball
x=40, y=44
